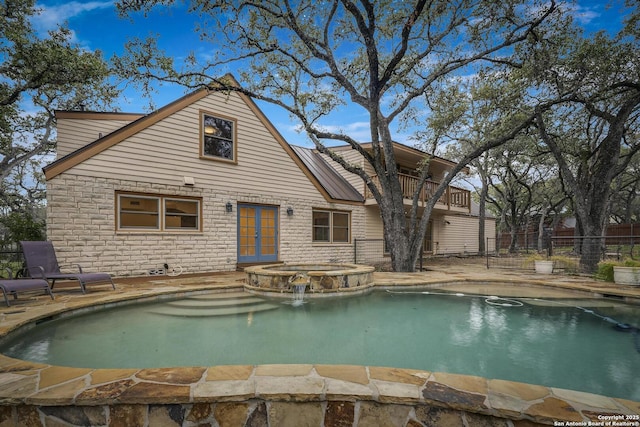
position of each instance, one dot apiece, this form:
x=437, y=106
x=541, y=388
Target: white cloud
x=294, y=133
x=583, y=15
x=52, y=16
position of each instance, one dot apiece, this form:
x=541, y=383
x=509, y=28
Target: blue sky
x=95, y=25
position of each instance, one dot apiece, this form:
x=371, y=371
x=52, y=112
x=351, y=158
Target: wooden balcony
x=454, y=198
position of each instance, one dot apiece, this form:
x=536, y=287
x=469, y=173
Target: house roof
x=406, y=153
x=334, y=183
x=141, y=122
x=97, y=115
x=99, y=145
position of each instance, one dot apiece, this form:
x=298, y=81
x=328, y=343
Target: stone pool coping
x=26, y=386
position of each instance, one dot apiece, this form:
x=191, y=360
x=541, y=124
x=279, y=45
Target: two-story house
x=208, y=183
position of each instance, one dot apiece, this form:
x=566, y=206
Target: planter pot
x=626, y=275
x=543, y=267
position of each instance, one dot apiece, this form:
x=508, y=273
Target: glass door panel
x=268, y=232
x=247, y=233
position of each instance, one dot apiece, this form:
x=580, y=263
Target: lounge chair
x=41, y=260
x=13, y=286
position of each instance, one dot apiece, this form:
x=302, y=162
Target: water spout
x=298, y=283
x=298, y=295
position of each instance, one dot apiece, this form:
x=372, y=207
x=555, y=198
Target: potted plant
x=541, y=264
x=623, y=273
x=627, y=273
x=565, y=264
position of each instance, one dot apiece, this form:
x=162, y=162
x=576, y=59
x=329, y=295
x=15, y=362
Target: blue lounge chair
x=13, y=286
x=41, y=261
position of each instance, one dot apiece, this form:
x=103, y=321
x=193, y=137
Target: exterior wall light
x=229, y=207
x=289, y=211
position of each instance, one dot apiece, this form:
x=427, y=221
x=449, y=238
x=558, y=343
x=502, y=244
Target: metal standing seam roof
x=334, y=183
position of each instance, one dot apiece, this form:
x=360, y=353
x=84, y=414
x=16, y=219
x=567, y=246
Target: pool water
x=556, y=345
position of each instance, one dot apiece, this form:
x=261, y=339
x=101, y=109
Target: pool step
x=212, y=312
x=211, y=303
x=214, y=304
x=221, y=296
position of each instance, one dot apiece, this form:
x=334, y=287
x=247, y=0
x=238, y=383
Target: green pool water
x=560, y=344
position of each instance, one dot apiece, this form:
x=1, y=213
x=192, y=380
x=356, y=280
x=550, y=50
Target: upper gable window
x=218, y=141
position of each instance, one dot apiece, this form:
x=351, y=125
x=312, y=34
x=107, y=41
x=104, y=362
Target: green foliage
x=592, y=129
x=38, y=75
x=21, y=226
x=50, y=72
x=568, y=264
x=605, y=271
x=396, y=64
x=630, y=263
x=605, y=268
x=531, y=259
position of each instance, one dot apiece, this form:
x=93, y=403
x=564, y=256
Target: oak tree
x=593, y=132
x=386, y=58
x=38, y=74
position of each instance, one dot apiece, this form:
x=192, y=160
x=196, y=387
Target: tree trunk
x=540, y=245
x=591, y=215
x=514, y=239
x=482, y=217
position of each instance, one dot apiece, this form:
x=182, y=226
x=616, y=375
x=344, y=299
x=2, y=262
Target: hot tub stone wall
x=321, y=277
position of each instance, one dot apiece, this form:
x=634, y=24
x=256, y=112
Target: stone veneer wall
x=81, y=223
x=33, y=395
x=253, y=413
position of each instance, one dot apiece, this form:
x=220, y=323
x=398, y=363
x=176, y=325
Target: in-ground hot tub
x=319, y=279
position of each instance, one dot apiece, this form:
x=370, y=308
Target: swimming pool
x=528, y=340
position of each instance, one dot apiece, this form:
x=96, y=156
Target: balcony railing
x=453, y=197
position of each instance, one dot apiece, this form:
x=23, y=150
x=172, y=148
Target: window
x=181, y=214
x=146, y=212
x=218, y=138
x=331, y=226
x=340, y=227
x=139, y=212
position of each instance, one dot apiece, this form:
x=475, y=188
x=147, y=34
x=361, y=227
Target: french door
x=257, y=233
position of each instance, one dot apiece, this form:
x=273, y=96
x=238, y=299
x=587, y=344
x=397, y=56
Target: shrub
x=568, y=264
x=630, y=263
x=605, y=269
